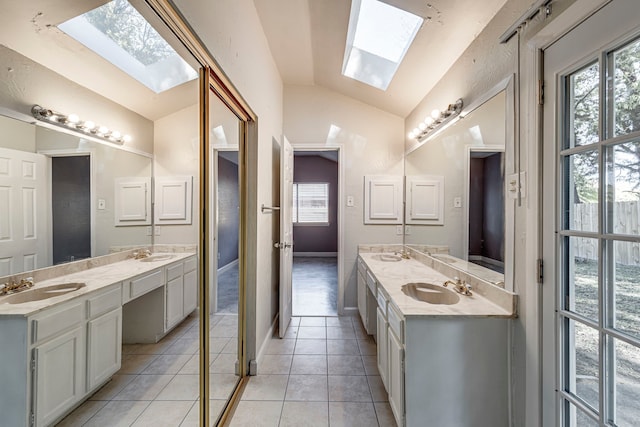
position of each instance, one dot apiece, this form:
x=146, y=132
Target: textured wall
x=228, y=208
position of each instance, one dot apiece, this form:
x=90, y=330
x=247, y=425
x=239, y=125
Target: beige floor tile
x=221, y=385
x=295, y=321
x=309, y=364
x=349, y=388
x=223, y=331
x=367, y=347
x=113, y=387
x=311, y=346
x=343, y=347
x=167, y=364
x=266, y=387
x=188, y=346
x=231, y=346
x=292, y=332
x=181, y=387
x=342, y=321
x=352, y=414
x=305, y=414
x=82, y=414
x=217, y=344
x=307, y=388
x=345, y=365
x=144, y=387
x=135, y=363
x=312, y=332
x=252, y=413
x=193, y=417
x=313, y=321
x=378, y=393
x=280, y=346
x=385, y=415
x=163, y=414
x=340, y=333
x=370, y=365
x=224, y=364
x=116, y=414
x=275, y=364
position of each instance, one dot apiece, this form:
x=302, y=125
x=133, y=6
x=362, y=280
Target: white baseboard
x=316, y=254
x=265, y=343
x=227, y=267
x=350, y=311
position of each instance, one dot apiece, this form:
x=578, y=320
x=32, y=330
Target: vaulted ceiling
x=307, y=39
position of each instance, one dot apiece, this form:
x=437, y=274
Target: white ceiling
x=307, y=39
x=29, y=28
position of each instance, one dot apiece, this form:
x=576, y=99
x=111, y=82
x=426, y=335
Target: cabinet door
x=190, y=292
x=174, y=302
x=362, y=299
x=59, y=375
x=104, y=347
x=383, y=361
x=395, y=380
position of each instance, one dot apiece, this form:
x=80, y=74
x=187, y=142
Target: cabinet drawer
x=104, y=302
x=371, y=283
x=395, y=322
x=382, y=301
x=190, y=264
x=57, y=321
x=174, y=271
x=146, y=283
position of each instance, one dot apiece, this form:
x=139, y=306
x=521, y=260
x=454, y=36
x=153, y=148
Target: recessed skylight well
x=121, y=35
x=379, y=36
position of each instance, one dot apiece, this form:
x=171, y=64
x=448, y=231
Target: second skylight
x=378, y=38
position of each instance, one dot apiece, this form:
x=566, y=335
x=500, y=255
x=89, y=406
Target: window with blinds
x=311, y=203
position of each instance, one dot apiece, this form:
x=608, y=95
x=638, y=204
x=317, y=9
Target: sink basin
x=38, y=294
x=430, y=293
x=154, y=258
x=388, y=257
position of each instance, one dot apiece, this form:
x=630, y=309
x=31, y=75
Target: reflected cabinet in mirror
x=467, y=162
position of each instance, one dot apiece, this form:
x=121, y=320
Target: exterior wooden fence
x=626, y=220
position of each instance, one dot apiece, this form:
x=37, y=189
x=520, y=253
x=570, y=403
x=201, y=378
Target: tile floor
x=157, y=384
x=315, y=286
x=323, y=373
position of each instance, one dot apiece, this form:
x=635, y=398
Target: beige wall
x=371, y=141
x=232, y=32
x=176, y=152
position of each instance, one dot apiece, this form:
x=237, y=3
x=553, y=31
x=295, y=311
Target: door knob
x=279, y=245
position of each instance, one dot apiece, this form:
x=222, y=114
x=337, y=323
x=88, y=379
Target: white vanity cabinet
x=396, y=363
x=362, y=293
x=181, y=291
x=382, y=325
x=367, y=298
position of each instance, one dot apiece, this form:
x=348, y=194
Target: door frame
x=50, y=154
x=341, y=201
x=467, y=175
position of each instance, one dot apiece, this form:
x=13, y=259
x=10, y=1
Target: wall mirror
x=469, y=160
x=71, y=210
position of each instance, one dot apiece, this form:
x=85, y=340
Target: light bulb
x=127, y=138
x=422, y=126
x=103, y=130
x=416, y=131
x=410, y=135
x=73, y=118
x=428, y=120
x=115, y=134
x=89, y=125
x=53, y=118
x=435, y=114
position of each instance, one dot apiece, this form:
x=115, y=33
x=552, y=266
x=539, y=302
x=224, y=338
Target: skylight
x=378, y=38
x=121, y=35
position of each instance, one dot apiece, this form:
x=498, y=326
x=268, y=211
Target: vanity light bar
x=73, y=122
x=436, y=120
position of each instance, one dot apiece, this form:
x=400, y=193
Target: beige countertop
x=485, y=302
x=94, y=278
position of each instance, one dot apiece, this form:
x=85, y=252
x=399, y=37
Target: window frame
x=296, y=207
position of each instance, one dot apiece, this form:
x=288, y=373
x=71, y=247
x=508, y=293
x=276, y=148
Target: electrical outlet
x=350, y=201
x=399, y=230
x=156, y=230
x=457, y=202
x=102, y=204
x=407, y=230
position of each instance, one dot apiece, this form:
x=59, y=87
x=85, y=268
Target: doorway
x=315, y=233
x=486, y=208
x=71, y=208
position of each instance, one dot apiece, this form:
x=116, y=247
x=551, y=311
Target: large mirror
x=469, y=160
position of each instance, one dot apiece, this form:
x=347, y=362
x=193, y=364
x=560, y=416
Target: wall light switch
x=350, y=201
x=102, y=204
x=457, y=202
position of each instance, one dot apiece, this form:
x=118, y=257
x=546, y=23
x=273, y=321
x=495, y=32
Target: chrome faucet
x=460, y=286
x=404, y=254
x=13, y=286
x=142, y=254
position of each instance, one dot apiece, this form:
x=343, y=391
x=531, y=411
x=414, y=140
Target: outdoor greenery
x=124, y=24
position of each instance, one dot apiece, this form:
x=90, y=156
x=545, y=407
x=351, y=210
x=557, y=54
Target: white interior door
x=286, y=234
x=22, y=211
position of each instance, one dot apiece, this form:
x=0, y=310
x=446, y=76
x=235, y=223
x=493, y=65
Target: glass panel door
x=594, y=242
